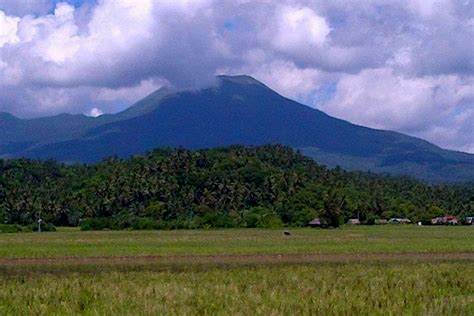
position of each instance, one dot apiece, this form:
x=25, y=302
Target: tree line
x=265, y=186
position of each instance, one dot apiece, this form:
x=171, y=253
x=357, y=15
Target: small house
x=445, y=220
x=397, y=220
x=453, y=220
x=394, y=220
x=437, y=221
x=354, y=221
x=315, y=223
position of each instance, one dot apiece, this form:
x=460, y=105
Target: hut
x=445, y=220
x=315, y=223
x=397, y=220
x=452, y=220
x=353, y=221
x=437, y=221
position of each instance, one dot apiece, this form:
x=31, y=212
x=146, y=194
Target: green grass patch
x=72, y=242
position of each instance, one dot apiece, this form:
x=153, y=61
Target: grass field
x=354, y=270
x=363, y=239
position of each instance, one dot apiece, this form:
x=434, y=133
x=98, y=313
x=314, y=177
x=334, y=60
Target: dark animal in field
x=286, y=233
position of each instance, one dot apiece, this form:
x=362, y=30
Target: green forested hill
x=235, y=186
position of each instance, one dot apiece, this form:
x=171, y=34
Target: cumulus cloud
x=298, y=29
x=8, y=29
x=280, y=75
x=95, y=112
x=382, y=99
x=403, y=65
x=131, y=94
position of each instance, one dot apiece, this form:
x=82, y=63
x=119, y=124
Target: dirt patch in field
x=63, y=266
x=242, y=259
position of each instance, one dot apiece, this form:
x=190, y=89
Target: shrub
x=15, y=228
x=370, y=219
x=121, y=222
x=303, y=216
x=145, y=224
x=155, y=210
x=45, y=227
x=261, y=217
x=48, y=227
x=97, y=223
x=216, y=220
x=10, y=228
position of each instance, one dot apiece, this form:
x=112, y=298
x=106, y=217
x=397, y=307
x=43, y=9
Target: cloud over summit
x=403, y=65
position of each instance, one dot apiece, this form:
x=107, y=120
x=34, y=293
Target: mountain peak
x=238, y=110
x=240, y=79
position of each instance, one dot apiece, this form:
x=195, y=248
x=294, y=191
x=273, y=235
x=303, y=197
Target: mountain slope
x=19, y=136
x=241, y=110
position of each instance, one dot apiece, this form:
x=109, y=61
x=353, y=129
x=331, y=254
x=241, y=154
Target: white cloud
x=299, y=29
x=59, y=42
x=403, y=65
x=8, y=29
x=95, y=112
x=428, y=8
x=428, y=107
x=131, y=94
x=282, y=76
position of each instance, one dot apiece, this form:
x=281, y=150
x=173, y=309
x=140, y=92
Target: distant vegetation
x=266, y=186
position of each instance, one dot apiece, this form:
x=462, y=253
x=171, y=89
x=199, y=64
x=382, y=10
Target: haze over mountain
x=238, y=110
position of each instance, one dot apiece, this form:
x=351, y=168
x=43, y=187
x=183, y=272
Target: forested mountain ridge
x=20, y=136
x=237, y=110
x=227, y=187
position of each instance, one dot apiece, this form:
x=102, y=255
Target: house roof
x=315, y=221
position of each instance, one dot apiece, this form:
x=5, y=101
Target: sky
x=405, y=65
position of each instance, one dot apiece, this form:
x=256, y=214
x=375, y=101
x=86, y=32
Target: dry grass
x=362, y=270
x=324, y=289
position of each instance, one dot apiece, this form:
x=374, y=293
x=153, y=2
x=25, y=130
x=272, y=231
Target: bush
x=119, y=223
x=216, y=220
x=46, y=227
x=370, y=219
x=123, y=220
x=274, y=222
x=304, y=216
x=14, y=228
x=7, y=229
x=145, y=224
x=155, y=210
x=261, y=217
x=97, y=223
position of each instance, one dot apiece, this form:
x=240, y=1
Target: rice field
x=354, y=270
x=362, y=239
